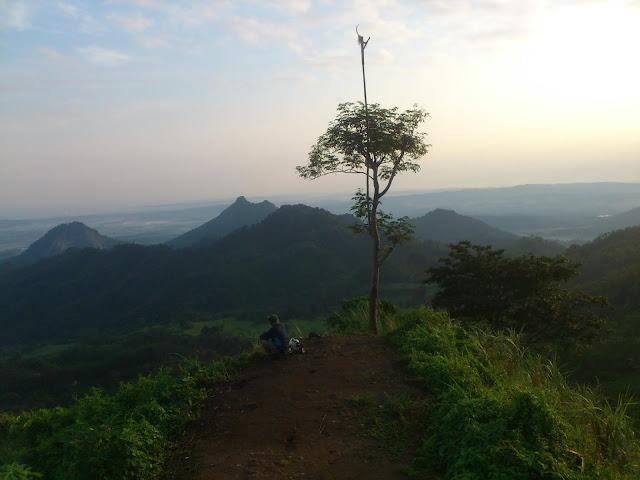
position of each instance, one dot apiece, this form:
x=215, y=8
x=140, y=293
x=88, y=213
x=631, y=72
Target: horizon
x=122, y=104
x=278, y=200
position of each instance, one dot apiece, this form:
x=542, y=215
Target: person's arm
x=267, y=335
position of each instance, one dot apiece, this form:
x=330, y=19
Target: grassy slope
x=494, y=412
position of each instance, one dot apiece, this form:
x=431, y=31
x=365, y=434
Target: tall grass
x=504, y=413
x=353, y=316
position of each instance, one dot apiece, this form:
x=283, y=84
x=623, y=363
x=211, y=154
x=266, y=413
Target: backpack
x=295, y=346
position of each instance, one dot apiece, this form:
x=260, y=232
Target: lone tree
x=377, y=143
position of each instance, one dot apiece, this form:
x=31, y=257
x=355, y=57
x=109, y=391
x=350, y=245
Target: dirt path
x=294, y=418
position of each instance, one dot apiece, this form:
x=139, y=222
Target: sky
x=111, y=105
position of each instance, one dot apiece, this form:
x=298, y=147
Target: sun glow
x=585, y=53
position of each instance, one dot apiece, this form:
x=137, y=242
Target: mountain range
x=298, y=260
x=444, y=226
x=571, y=213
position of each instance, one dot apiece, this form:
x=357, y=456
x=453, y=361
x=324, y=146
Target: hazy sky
x=112, y=104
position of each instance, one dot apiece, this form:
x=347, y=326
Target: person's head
x=273, y=319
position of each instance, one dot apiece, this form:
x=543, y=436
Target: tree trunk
x=375, y=236
x=375, y=284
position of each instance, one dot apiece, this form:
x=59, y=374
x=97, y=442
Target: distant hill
x=67, y=235
x=241, y=213
x=565, y=227
x=298, y=261
x=567, y=199
x=629, y=218
x=611, y=267
x=446, y=226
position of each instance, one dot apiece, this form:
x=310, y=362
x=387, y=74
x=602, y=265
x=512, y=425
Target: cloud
x=133, y=24
x=152, y=42
x=68, y=9
x=255, y=32
x=140, y=3
x=104, y=56
x=195, y=15
x=14, y=15
x=50, y=53
x=293, y=7
x=333, y=60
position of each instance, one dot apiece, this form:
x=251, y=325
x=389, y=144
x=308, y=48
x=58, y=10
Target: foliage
x=503, y=413
x=123, y=436
x=41, y=380
x=353, y=316
x=479, y=284
x=378, y=143
x=17, y=471
x=611, y=267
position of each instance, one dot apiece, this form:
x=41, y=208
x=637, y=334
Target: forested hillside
x=103, y=316
x=611, y=267
x=299, y=260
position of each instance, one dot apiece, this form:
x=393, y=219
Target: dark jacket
x=278, y=335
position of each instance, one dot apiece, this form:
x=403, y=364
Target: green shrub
x=124, y=436
x=17, y=471
x=503, y=413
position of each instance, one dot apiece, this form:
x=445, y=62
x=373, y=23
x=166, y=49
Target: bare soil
x=297, y=417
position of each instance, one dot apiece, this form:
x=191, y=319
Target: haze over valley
x=564, y=212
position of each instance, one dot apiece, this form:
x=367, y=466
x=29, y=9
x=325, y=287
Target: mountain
x=299, y=261
x=447, y=226
x=241, y=213
x=630, y=218
x=611, y=267
x=65, y=236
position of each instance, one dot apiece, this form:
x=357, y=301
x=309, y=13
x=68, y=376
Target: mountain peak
x=239, y=214
x=65, y=236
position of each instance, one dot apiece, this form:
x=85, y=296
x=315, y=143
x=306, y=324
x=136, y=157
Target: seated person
x=276, y=339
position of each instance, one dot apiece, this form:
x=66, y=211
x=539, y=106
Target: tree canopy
x=378, y=143
x=478, y=284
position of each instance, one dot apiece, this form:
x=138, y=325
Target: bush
x=124, y=436
x=503, y=413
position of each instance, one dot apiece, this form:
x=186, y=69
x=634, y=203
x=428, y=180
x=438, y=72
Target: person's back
x=276, y=339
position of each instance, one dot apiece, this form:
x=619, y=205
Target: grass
x=503, y=412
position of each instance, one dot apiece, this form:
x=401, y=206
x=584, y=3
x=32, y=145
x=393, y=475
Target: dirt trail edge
x=294, y=418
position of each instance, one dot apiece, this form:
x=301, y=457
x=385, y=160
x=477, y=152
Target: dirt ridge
x=295, y=417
